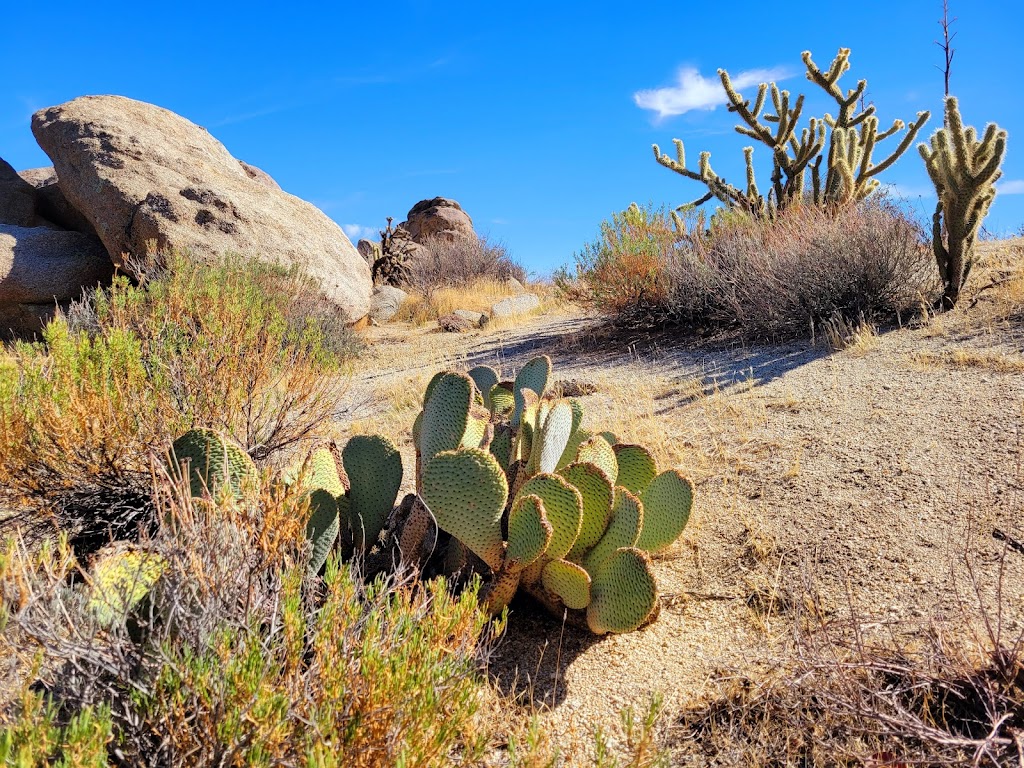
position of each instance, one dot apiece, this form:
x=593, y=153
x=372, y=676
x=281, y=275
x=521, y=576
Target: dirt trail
x=860, y=477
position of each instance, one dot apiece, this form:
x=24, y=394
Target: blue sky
x=525, y=113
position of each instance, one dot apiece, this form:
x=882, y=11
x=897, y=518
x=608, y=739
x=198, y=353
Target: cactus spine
x=964, y=170
x=853, y=136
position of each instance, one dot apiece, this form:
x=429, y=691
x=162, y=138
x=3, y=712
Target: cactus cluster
x=566, y=514
x=509, y=484
x=797, y=155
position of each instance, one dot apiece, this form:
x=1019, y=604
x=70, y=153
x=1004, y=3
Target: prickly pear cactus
x=121, y=577
x=566, y=514
x=214, y=464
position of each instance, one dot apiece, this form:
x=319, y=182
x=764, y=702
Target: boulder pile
x=129, y=178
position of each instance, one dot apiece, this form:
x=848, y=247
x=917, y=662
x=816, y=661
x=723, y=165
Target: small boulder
x=439, y=218
x=145, y=177
x=453, y=323
x=385, y=303
x=478, y=319
x=515, y=286
x=515, y=305
x=40, y=268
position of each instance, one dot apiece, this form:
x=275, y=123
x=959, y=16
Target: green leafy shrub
x=239, y=346
x=622, y=272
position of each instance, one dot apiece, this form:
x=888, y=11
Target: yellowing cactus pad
x=569, y=581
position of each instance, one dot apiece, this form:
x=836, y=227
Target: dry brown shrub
x=445, y=263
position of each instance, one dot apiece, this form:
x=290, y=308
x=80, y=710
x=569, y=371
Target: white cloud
x=694, y=91
x=358, y=231
x=1011, y=187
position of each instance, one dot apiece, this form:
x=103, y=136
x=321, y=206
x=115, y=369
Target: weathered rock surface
x=385, y=302
x=452, y=323
x=40, y=268
x=477, y=319
x=439, y=218
x=51, y=203
x=369, y=250
x=17, y=198
x=258, y=174
x=145, y=177
x=515, y=305
x=515, y=286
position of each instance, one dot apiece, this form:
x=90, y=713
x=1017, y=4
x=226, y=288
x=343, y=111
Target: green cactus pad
x=576, y=439
x=434, y=380
x=598, y=452
x=322, y=527
x=215, y=462
x=624, y=594
x=122, y=576
x=476, y=427
x=636, y=467
x=466, y=491
x=503, y=402
x=533, y=376
x=501, y=445
x=552, y=437
x=667, y=502
x=320, y=470
x=564, y=508
x=446, y=415
x=374, y=468
x=623, y=530
x=569, y=581
x=485, y=378
x=524, y=442
x=529, y=532
x=597, y=495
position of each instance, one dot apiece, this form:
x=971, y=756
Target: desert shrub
x=623, y=272
x=787, y=278
x=235, y=661
x=765, y=279
x=460, y=262
x=240, y=347
x=236, y=657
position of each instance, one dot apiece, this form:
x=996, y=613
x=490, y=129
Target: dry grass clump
x=771, y=279
x=475, y=296
x=875, y=693
x=240, y=347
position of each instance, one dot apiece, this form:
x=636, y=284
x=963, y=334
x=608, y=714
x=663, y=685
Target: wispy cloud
x=1011, y=187
x=358, y=231
x=242, y=117
x=694, y=91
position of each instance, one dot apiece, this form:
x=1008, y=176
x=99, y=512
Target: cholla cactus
x=389, y=265
x=797, y=155
x=964, y=170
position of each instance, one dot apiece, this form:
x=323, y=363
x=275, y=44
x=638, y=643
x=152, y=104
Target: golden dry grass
x=967, y=357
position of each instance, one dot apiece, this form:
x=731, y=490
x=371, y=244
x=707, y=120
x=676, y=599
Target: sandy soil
x=863, y=480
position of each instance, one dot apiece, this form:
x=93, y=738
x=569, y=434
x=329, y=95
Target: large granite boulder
x=385, y=303
x=439, y=218
x=147, y=178
x=51, y=204
x=41, y=268
x=17, y=199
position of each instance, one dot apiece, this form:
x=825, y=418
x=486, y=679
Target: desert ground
x=876, y=487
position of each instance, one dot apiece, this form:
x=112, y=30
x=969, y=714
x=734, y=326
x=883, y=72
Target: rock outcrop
x=522, y=304
x=41, y=268
x=17, y=199
x=50, y=202
x=146, y=178
x=439, y=218
x=385, y=303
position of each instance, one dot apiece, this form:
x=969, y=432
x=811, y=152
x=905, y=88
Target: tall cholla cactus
x=797, y=155
x=964, y=170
